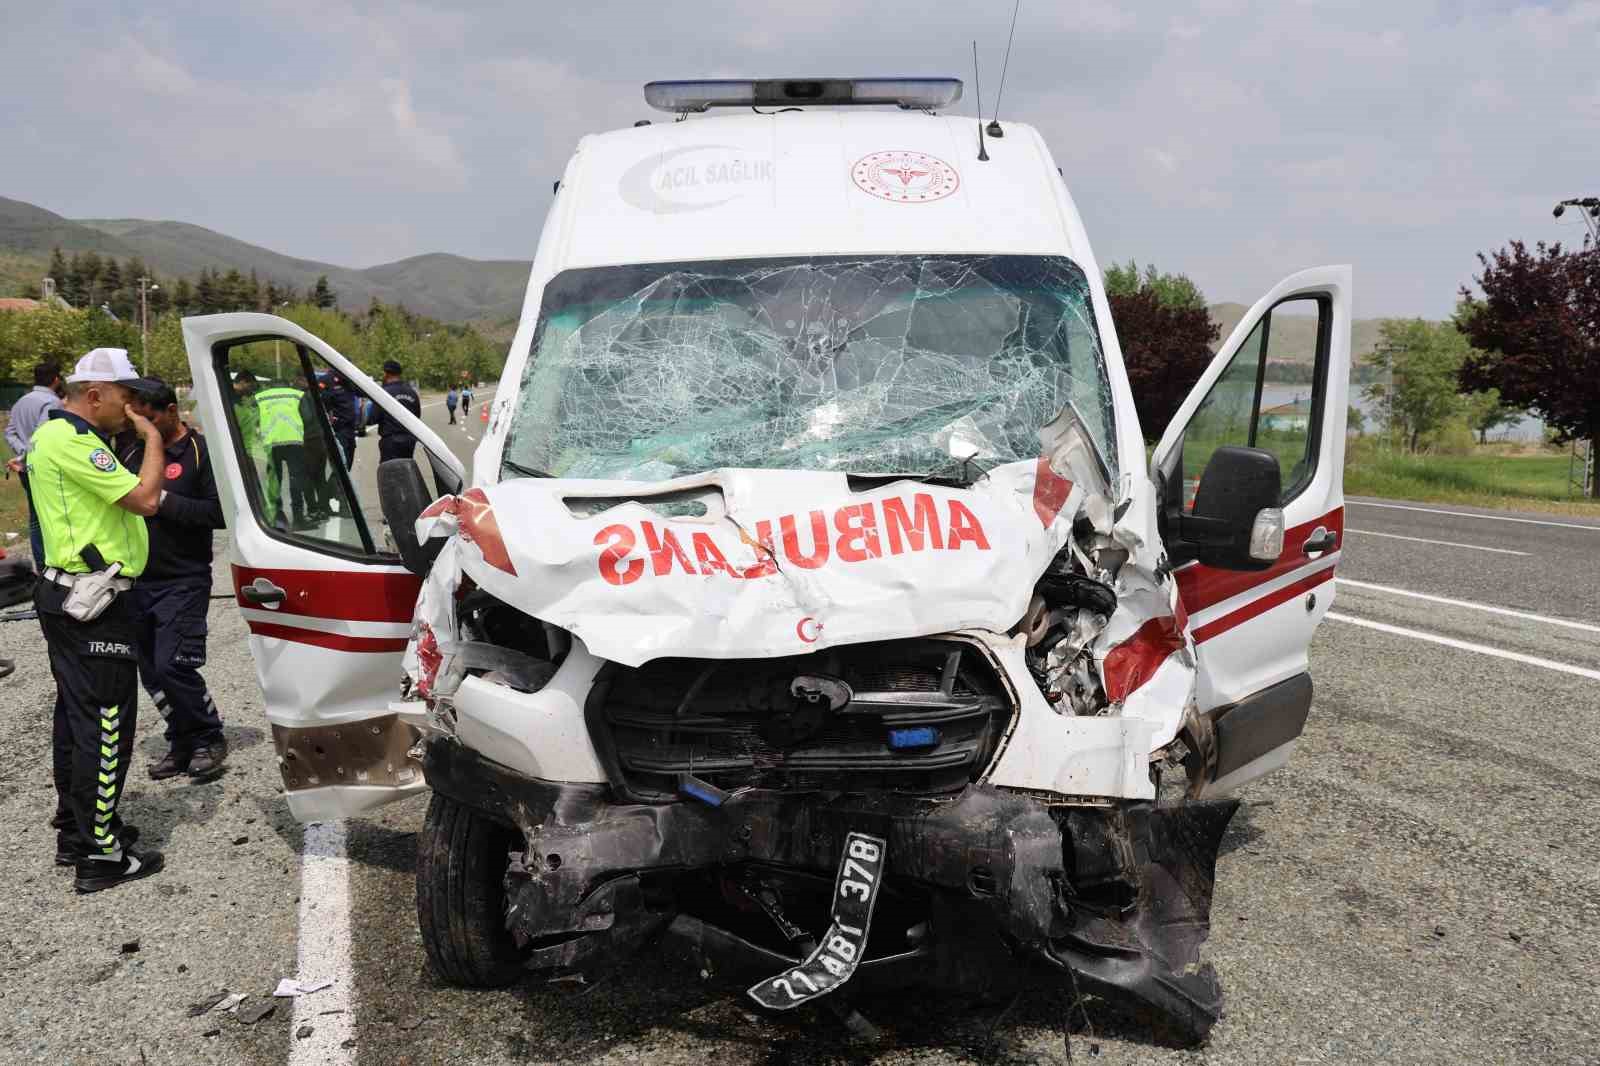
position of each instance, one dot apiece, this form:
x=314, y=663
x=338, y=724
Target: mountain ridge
x=438, y=284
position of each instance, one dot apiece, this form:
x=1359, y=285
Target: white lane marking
x=324, y=952
x=1508, y=612
x=1429, y=540
x=1466, y=645
x=1469, y=514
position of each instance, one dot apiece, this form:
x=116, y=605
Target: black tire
x=461, y=866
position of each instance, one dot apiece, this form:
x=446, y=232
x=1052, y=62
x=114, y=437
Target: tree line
x=90, y=281
x=435, y=353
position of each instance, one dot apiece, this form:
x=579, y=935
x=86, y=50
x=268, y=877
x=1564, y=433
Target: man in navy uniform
x=171, y=597
x=394, y=440
x=343, y=413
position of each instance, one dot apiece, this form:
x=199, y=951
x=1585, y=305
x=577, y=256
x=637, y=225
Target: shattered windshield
x=872, y=365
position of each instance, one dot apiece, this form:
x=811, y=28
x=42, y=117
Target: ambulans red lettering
x=710, y=557
x=664, y=550
x=858, y=533
x=619, y=542
x=964, y=527
x=819, y=540
x=853, y=533
x=923, y=522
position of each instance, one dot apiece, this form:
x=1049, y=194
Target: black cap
x=392, y=367
x=156, y=393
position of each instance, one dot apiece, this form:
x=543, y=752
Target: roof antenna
x=977, y=87
x=994, y=121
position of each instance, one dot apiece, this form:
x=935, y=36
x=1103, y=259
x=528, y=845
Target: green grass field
x=1490, y=477
x=13, y=505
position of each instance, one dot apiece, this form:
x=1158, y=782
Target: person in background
x=320, y=478
x=450, y=404
x=91, y=513
x=466, y=400
x=282, y=431
x=27, y=415
x=171, y=597
x=394, y=440
x=344, y=414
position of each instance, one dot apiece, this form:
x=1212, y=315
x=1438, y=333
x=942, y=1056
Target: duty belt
x=66, y=580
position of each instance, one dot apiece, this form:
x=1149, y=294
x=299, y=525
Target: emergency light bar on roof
x=909, y=93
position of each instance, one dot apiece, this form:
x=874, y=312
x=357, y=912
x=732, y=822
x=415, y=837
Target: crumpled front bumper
x=1020, y=888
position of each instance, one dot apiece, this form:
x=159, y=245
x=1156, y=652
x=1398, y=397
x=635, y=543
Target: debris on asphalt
x=256, y=1011
x=289, y=986
x=183, y=968
x=303, y=1032
x=1438, y=931
x=241, y=839
x=212, y=1032
x=130, y=947
x=411, y=1022
x=205, y=1005
x=232, y=1002
x=348, y=1043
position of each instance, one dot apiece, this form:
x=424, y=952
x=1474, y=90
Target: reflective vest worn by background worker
x=278, y=411
x=282, y=431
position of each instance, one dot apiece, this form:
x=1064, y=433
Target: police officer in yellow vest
x=92, y=512
x=282, y=430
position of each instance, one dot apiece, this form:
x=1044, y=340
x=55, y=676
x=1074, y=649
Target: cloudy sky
x=1234, y=142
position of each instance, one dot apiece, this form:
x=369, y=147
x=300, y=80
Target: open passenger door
x=1279, y=383
x=316, y=577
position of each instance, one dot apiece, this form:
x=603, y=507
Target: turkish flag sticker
x=174, y=471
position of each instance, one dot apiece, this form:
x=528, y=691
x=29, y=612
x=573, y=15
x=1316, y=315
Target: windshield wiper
x=526, y=471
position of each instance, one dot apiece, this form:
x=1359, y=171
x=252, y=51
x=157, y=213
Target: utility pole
x=1588, y=208
x=145, y=288
x=277, y=364
x=1385, y=442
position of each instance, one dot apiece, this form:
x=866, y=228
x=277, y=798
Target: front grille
x=738, y=724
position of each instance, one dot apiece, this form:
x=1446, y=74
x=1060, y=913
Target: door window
x=1269, y=396
x=294, y=422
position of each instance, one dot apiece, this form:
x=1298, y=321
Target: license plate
x=855, y=893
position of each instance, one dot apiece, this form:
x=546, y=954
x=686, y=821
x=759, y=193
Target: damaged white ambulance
x=813, y=609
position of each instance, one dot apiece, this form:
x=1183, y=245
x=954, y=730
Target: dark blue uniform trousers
x=171, y=619
x=97, y=707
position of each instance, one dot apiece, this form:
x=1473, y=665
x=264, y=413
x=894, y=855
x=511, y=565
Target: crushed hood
x=741, y=563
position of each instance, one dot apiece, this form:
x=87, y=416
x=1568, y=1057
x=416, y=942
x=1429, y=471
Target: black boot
x=171, y=764
x=95, y=875
x=206, y=762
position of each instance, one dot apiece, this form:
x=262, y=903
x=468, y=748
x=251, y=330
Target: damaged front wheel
x=461, y=896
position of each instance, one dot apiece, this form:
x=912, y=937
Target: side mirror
x=1237, y=523
x=403, y=496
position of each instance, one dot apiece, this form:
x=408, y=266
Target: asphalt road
x=1420, y=885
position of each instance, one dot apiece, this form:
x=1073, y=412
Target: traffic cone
x=483, y=415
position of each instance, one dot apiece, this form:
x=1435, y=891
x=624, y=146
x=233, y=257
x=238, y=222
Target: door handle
x=1322, y=539
x=263, y=592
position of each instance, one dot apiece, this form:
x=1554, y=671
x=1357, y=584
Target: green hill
x=443, y=286
x=1295, y=335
